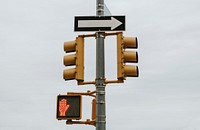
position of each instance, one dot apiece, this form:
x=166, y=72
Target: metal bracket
x=101, y=92
x=114, y=81
x=103, y=34
x=100, y=102
x=87, y=122
x=88, y=93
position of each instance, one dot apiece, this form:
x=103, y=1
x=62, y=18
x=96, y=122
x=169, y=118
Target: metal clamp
x=100, y=102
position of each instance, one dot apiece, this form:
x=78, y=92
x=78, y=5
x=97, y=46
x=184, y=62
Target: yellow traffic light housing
x=74, y=57
x=125, y=55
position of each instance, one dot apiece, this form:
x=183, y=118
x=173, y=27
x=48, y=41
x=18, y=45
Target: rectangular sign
x=69, y=107
x=99, y=23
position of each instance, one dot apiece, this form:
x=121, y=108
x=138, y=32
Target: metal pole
x=100, y=73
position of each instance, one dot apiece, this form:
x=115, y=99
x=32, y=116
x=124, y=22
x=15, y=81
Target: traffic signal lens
x=63, y=107
x=69, y=107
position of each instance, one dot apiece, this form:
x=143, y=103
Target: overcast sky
x=166, y=96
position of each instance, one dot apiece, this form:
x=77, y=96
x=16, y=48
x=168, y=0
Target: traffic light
x=69, y=107
x=74, y=57
x=126, y=56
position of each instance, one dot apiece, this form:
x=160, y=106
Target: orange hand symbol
x=63, y=107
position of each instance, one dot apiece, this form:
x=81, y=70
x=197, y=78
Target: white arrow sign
x=113, y=23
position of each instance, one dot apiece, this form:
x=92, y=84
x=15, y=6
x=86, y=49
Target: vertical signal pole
x=100, y=73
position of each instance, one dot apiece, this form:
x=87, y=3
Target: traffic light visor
x=130, y=42
x=130, y=56
x=69, y=60
x=69, y=74
x=131, y=71
x=70, y=46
